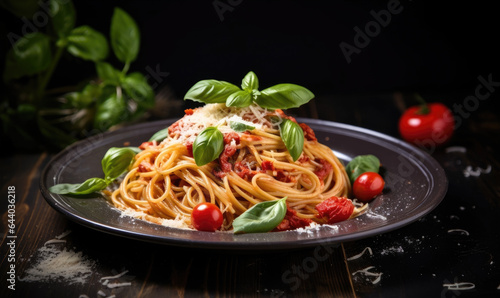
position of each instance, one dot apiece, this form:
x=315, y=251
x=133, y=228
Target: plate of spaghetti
x=268, y=180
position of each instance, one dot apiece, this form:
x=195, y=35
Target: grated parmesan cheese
x=178, y=222
x=54, y=264
x=59, y=265
x=218, y=115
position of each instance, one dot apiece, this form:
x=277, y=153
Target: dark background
x=435, y=49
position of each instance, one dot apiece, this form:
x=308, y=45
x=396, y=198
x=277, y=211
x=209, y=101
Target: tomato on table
x=428, y=125
x=367, y=186
x=206, y=217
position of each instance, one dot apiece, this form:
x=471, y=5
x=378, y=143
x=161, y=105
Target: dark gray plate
x=415, y=184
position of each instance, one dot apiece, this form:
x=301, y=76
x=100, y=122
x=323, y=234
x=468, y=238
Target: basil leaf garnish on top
x=284, y=96
x=116, y=162
x=208, y=145
x=240, y=127
x=293, y=137
x=211, y=91
x=281, y=96
x=250, y=82
x=361, y=164
x=239, y=99
x=261, y=218
x=89, y=186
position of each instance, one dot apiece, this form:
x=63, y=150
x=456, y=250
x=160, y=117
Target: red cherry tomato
x=335, y=209
x=206, y=217
x=427, y=128
x=367, y=186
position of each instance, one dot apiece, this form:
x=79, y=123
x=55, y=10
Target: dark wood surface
x=458, y=243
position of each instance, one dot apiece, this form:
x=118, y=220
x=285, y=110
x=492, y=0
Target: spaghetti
x=164, y=182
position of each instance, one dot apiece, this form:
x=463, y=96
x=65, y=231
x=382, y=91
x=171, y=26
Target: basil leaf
x=87, y=43
x=116, y=161
x=211, y=91
x=30, y=55
x=250, y=82
x=208, y=145
x=89, y=186
x=261, y=218
x=111, y=111
x=137, y=87
x=160, y=135
x=63, y=16
x=108, y=73
x=239, y=99
x=85, y=98
x=361, y=164
x=125, y=36
x=284, y=96
x=240, y=127
x=293, y=137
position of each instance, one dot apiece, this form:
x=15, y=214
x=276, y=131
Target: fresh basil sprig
x=361, y=164
x=114, y=163
x=281, y=96
x=293, y=137
x=208, y=145
x=261, y=218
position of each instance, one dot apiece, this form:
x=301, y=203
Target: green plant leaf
x=293, y=137
x=284, y=96
x=116, y=161
x=63, y=16
x=137, y=87
x=361, y=164
x=211, y=91
x=208, y=145
x=125, y=36
x=89, y=186
x=261, y=218
x=240, y=127
x=108, y=73
x=87, y=43
x=239, y=99
x=84, y=98
x=111, y=111
x=160, y=135
x=30, y=55
x=250, y=82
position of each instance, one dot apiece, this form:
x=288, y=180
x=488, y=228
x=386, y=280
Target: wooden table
x=452, y=252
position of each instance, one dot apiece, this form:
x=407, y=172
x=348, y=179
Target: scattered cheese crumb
x=118, y=285
x=367, y=272
x=114, y=276
x=460, y=286
x=463, y=232
x=361, y=254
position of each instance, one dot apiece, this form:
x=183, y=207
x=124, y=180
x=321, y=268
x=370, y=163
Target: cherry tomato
x=335, y=209
x=367, y=186
x=426, y=126
x=206, y=217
